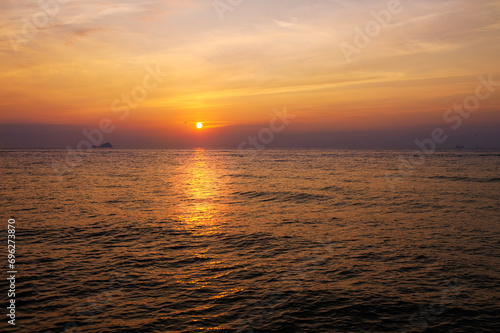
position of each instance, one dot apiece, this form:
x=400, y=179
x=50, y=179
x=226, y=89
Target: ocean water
x=290, y=241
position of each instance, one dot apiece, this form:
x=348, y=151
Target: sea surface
x=286, y=241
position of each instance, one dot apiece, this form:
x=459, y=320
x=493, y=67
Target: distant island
x=104, y=145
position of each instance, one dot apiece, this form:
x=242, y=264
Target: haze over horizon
x=156, y=68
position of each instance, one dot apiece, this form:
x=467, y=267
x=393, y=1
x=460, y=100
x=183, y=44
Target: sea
x=200, y=240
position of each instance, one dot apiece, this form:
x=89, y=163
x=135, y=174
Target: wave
x=449, y=178
x=264, y=196
x=492, y=180
x=467, y=179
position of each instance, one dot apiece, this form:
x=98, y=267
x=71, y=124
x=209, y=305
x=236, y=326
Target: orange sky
x=85, y=56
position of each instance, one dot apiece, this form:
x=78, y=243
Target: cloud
x=86, y=31
x=285, y=24
x=96, y=12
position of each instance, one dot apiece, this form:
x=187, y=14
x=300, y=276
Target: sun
x=199, y=125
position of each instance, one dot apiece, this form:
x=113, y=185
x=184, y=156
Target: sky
x=348, y=74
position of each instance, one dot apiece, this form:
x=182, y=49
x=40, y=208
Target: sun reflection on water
x=201, y=188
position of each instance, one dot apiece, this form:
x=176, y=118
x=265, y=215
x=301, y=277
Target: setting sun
x=199, y=125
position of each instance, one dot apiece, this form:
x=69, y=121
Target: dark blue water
x=292, y=241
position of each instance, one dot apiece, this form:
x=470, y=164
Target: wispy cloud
x=98, y=11
x=286, y=24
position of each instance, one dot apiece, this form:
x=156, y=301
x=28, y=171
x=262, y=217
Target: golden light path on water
x=202, y=186
x=202, y=189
